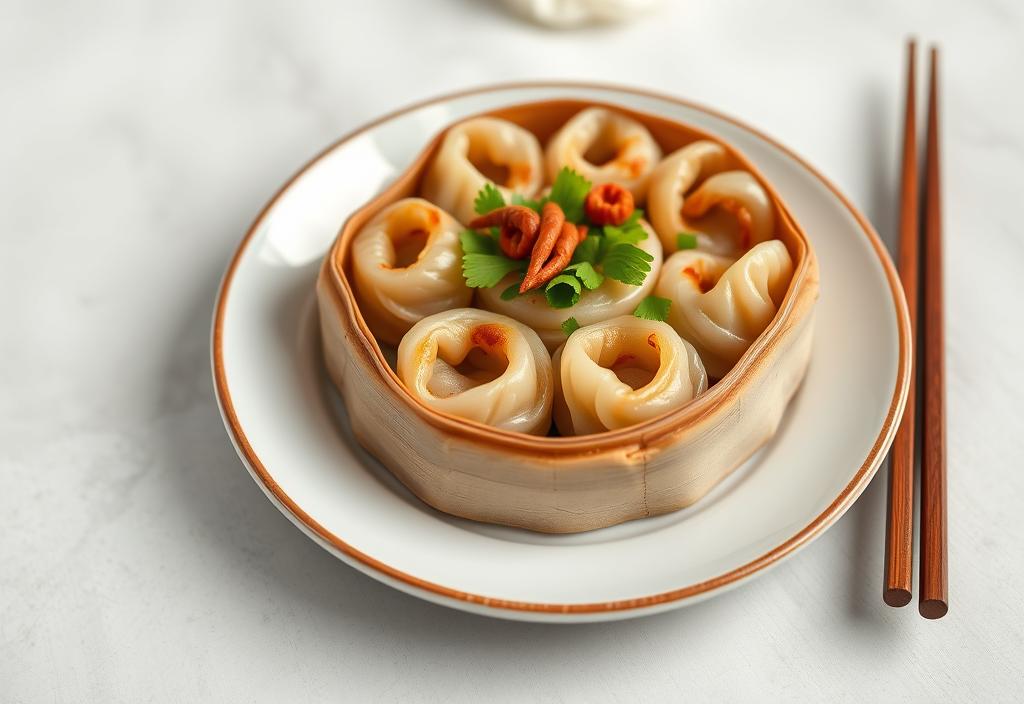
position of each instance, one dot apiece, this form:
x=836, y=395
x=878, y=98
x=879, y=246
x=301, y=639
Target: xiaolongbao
x=608, y=300
x=479, y=151
x=480, y=366
x=605, y=147
x=407, y=264
x=621, y=372
x=722, y=305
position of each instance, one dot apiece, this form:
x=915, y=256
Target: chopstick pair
x=933, y=598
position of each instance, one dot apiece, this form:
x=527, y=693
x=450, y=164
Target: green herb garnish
x=512, y=291
x=607, y=252
x=563, y=291
x=570, y=191
x=570, y=326
x=483, y=264
x=629, y=232
x=653, y=308
x=535, y=205
x=686, y=240
x=489, y=198
x=487, y=270
x=627, y=263
x=588, y=250
x=474, y=242
x=586, y=273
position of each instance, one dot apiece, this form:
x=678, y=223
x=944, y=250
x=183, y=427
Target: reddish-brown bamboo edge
x=831, y=513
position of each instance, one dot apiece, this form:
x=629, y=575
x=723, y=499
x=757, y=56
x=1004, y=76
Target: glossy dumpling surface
x=480, y=366
x=729, y=210
x=407, y=264
x=612, y=298
x=744, y=212
x=479, y=151
x=721, y=305
x=605, y=147
x=621, y=372
x=675, y=176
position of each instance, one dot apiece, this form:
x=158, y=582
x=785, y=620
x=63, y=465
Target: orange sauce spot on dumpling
x=519, y=174
x=636, y=166
x=425, y=214
x=702, y=282
x=488, y=336
x=623, y=359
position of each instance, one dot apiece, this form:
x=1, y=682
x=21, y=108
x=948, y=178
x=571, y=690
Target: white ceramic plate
x=290, y=428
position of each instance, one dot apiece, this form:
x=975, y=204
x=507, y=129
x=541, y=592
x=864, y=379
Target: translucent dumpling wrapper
x=480, y=151
x=721, y=305
x=729, y=211
x=672, y=179
x=621, y=372
x=479, y=366
x=605, y=147
x=407, y=264
x=610, y=299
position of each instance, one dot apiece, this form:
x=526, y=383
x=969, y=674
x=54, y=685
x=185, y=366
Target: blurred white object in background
x=574, y=13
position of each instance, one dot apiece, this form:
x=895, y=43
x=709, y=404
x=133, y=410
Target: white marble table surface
x=138, y=560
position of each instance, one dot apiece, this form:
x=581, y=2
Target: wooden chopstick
x=899, y=534
x=934, y=597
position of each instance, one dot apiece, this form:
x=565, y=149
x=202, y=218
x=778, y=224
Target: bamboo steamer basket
x=566, y=484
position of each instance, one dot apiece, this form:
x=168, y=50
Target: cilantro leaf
x=653, y=308
x=686, y=240
x=570, y=191
x=587, y=250
x=489, y=198
x=534, y=205
x=634, y=217
x=512, y=291
x=626, y=263
x=474, y=242
x=627, y=232
x=563, y=291
x=570, y=326
x=487, y=270
x=586, y=273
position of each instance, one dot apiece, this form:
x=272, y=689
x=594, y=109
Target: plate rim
x=819, y=524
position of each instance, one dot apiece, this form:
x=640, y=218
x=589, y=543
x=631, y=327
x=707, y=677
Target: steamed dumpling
x=608, y=300
x=730, y=211
x=672, y=179
x=621, y=372
x=480, y=366
x=721, y=305
x=407, y=264
x=605, y=147
x=479, y=151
